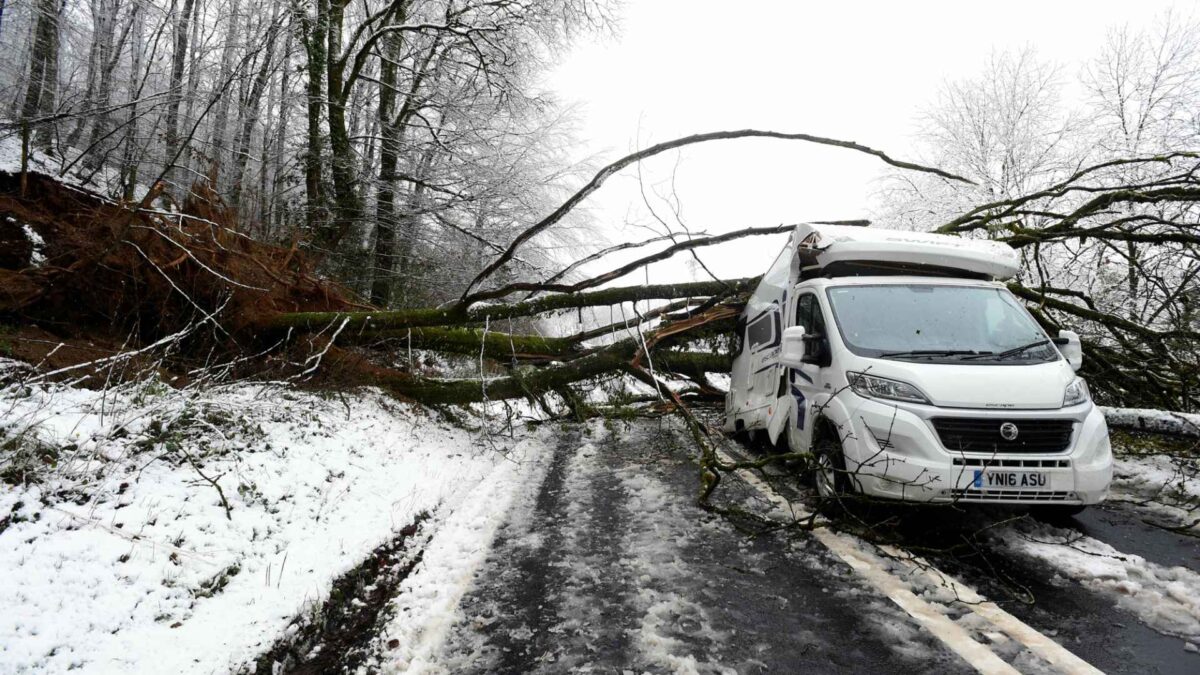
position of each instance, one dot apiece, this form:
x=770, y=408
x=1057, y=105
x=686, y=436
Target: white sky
x=859, y=71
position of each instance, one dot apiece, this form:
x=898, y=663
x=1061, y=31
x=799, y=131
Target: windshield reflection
x=938, y=323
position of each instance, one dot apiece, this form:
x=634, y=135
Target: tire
x=829, y=475
x=1057, y=511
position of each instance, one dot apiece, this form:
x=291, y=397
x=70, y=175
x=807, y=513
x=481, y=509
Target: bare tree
x=42, y=89
x=182, y=32
x=1006, y=129
x=1097, y=198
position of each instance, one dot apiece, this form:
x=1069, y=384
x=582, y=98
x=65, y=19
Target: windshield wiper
x=1010, y=352
x=934, y=352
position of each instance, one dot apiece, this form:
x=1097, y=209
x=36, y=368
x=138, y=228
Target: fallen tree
x=87, y=282
x=99, y=278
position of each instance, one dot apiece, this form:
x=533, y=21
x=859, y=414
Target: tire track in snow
x=504, y=622
x=426, y=605
x=596, y=599
x=551, y=597
x=675, y=631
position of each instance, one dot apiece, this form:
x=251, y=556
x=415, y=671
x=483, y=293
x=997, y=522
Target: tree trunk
x=315, y=48
x=347, y=208
x=457, y=315
x=273, y=217
x=109, y=57
x=523, y=383
x=41, y=92
x=385, y=208
x=129, y=162
x=99, y=16
x=220, y=129
x=250, y=109
x=178, y=61
x=410, y=224
x=189, y=95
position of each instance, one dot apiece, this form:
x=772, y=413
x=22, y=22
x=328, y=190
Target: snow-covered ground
x=1167, y=486
x=69, y=170
x=1164, y=598
x=118, y=554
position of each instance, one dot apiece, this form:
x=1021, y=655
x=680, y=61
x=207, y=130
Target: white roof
x=841, y=243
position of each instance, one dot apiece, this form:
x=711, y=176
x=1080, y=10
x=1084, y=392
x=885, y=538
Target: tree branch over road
x=607, y=172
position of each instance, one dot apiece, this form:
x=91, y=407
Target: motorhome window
x=808, y=314
x=900, y=321
x=761, y=332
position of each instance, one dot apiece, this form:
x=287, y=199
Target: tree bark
x=494, y=345
x=456, y=315
x=129, y=160
x=316, y=46
x=42, y=89
x=220, y=128
x=249, y=112
x=178, y=63
x=110, y=55
x=385, y=200
x=347, y=207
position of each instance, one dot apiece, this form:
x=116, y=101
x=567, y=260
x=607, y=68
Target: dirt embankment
x=83, y=277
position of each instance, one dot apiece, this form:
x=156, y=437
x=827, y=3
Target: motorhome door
x=762, y=343
x=806, y=383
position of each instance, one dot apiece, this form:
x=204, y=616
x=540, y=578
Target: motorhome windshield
x=938, y=323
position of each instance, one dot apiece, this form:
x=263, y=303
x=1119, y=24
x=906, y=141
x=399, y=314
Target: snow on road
x=119, y=556
x=1164, y=598
x=427, y=602
x=608, y=566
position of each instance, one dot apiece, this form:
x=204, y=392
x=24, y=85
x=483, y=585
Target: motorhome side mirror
x=1070, y=347
x=791, y=354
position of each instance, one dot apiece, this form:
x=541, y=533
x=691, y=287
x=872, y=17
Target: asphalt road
x=608, y=566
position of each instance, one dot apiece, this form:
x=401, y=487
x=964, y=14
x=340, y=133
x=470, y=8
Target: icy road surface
x=604, y=564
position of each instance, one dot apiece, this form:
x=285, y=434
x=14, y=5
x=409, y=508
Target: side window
x=804, y=312
x=761, y=332
x=808, y=314
x=818, y=318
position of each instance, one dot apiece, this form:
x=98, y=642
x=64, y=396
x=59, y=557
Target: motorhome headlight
x=1077, y=392
x=871, y=386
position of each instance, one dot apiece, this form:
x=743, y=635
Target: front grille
x=1010, y=495
x=1013, y=463
x=982, y=435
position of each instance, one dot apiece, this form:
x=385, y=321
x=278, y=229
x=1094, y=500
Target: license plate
x=991, y=479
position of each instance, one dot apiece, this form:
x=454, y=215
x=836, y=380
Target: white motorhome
x=909, y=370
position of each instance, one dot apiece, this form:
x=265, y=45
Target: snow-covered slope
x=119, y=557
